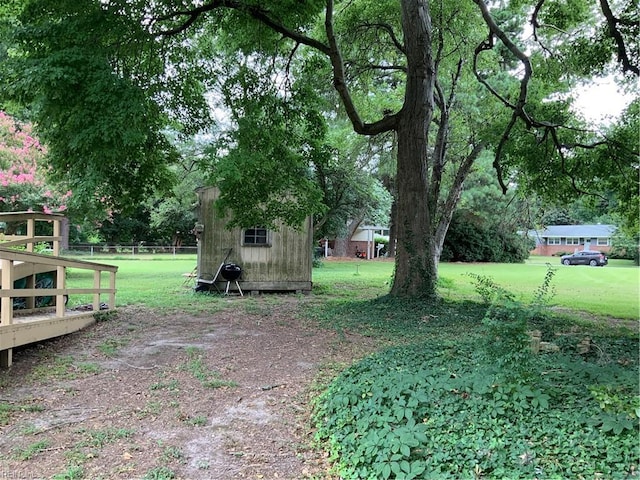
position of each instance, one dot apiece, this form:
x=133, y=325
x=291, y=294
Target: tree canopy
x=104, y=80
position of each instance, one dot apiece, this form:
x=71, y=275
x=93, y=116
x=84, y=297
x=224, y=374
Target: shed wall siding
x=284, y=264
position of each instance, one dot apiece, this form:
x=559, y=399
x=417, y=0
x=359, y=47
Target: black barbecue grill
x=231, y=272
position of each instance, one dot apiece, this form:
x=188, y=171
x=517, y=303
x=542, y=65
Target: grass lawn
x=155, y=281
x=612, y=291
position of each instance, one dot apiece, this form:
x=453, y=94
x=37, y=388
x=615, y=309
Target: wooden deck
x=32, y=328
x=34, y=323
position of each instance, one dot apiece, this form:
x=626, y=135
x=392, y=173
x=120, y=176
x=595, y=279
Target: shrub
x=626, y=247
x=472, y=239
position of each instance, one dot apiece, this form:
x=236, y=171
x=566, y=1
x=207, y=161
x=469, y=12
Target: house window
x=255, y=237
x=553, y=241
x=603, y=242
x=573, y=241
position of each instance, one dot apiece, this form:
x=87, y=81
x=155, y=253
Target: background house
x=271, y=260
x=363, y=239
x=570, y=238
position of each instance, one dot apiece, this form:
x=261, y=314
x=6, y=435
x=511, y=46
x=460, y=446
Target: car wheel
x=566, y=261
x=593, y=263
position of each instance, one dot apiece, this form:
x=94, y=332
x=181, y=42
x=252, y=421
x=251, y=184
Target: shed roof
x=578, y=231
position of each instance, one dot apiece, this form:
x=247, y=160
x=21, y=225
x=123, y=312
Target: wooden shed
x=271, y=260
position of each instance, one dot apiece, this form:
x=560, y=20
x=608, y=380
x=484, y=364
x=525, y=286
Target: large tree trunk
x=389, y=183
x=393, y=236
x=446, y=212
x=341, y=244
x=416, y=272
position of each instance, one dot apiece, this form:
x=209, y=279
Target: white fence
x=133, y=250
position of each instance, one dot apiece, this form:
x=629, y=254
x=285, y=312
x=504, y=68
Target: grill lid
x=231, y=271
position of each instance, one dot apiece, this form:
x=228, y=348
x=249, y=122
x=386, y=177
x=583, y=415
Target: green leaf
x=405, y=450
x=418, y=467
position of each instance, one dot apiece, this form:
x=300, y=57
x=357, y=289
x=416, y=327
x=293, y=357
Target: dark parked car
x=586, y=257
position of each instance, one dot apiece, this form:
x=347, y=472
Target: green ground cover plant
x=439, y=410
x=484, y=405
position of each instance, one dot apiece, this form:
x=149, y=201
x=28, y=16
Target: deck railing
x=18, y=264
x=9, y=222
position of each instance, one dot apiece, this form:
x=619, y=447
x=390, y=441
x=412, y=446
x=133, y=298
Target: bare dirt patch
x=148, y=395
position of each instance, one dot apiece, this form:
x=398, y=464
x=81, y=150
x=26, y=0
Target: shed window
x=573, y=241
x=553, y=241
x=255, y=236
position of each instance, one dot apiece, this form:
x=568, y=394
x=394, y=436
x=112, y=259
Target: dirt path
x=218, y=396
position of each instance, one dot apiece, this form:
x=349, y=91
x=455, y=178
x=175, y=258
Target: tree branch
x=515, y=51
x=621, y=48
x=254, y=11
x=332, y=51
x=535, y=24
x=488, y=45
x=455, y=191
x=389, y=30
x=388, y=122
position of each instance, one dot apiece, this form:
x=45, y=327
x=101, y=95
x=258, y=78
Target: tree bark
x=415, y=274
x=341, y=244
x=393, y=236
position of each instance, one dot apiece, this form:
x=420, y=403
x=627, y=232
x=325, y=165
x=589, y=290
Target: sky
x=601, y=100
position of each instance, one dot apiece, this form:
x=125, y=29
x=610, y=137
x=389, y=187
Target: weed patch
x=30, y=451
x=63, y=368
x=98, y=438
x=197, y=367
x=74, y=472
x=110, y=347
x=160, y=473
x=7, y=409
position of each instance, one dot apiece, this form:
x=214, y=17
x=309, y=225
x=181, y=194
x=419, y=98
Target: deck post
x=31, y=232
x=60, y=283
x=31, y=283
x=96, y=285
x=6, y=358
x=6, y=308
x=6, y=303
x=112, y=287
x=57, y=232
